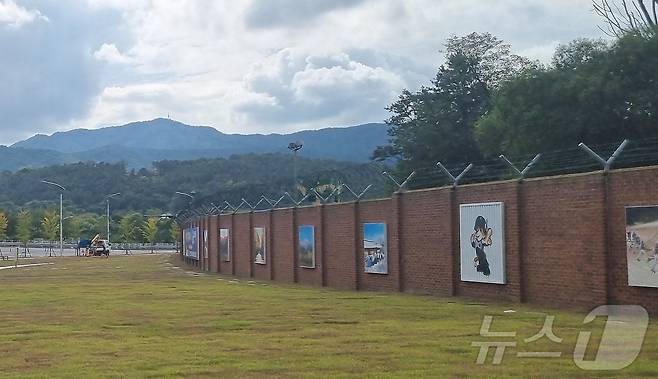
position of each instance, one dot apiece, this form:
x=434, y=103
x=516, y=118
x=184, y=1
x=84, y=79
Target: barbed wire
x=578, y=159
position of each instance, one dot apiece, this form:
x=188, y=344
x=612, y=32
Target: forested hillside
x=146, y=194
x=213, y=180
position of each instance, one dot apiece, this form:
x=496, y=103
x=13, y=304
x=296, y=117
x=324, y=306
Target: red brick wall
x=339, y=246
x=242, y=244
x=564, y=241
x=427, y=258
x=375, y=212
x=202, y=257
x=283, y=243
x=310, y=216
x=213, y=256
x=628, y=188
x=564, y=247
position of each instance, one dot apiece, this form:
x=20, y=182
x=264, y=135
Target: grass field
x=141, y=316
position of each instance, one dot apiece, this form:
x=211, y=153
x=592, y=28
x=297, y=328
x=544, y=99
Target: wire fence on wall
x=578, y=159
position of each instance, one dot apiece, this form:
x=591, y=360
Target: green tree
x=50, y=226
x=24, y=227
x=150, y=230
x=437, y=122
x=593, y=93
x=330, y=189
x=90, y=225
x=4, y=225
x=175, y=233
x=129, y=228
x=574, y=55
x=73, y=228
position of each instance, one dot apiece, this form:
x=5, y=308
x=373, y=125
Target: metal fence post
x=455, y=179
x=401, y=186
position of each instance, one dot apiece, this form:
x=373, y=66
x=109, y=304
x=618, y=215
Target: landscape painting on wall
x=642, y=246
x=482, y=242
x=224, y=245
x=191, y=246
x=306, y=247
x=260, y=246
x=375, y=248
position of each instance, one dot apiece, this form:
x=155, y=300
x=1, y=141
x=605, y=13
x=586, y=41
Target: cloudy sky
x=244, y=66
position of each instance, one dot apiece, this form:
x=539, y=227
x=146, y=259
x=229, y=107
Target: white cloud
x=278, y=65
x=16, y=16
x=284, y=13
x=291, y=90
x=108, y=52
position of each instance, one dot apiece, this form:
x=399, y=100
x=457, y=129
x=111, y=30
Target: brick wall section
x=242, y=244
x=427, y=252
x=225, y=223
x=498, y=192
x=202, y=258
x=199, y=261
x=564, y=241
x=262, y=271
x=339, y=246
x=565, y=246
x=374, y=212
x=628, y=188
x=207, y=244
x=282, y=228
x=213, y=256
x=310, y=216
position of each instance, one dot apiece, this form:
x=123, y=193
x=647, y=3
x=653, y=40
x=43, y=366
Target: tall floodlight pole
x=295, y=147
x=107, y=200
x=61, y=214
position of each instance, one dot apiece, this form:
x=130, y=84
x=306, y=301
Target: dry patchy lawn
x=142, y=316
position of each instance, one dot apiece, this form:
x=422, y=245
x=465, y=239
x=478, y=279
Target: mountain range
x=139, y=144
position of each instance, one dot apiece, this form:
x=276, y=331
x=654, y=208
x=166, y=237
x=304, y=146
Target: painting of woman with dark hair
x=480, y=239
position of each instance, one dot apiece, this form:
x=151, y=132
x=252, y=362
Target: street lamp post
x=61, y=215
x=295, y=147
x=189, y=205
x=186, y=195
x=107, y=199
